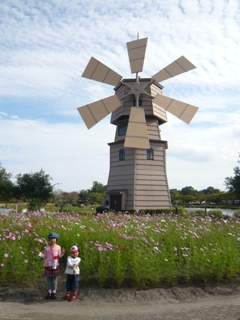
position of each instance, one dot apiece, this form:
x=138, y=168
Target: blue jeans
x=72, y=283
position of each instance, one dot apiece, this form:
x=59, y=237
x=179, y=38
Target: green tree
x=175, y=195
x=6, y=186
x=217, y=197
x=209, y=194
x=187, y=198
x=210, y=190
x=190, y=191
x=96, y=198
x=35, y=188
x=233, y=183
x=98, y=187
x=83, y=196
x=97, y=193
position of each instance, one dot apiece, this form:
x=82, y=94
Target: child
x=73, y=274
x=51, y=255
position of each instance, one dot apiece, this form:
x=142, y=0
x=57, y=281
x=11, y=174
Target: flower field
x=121, y=250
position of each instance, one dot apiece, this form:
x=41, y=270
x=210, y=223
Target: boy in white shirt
x=73, y=274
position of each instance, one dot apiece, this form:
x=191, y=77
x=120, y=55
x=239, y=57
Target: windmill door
x=116, y=202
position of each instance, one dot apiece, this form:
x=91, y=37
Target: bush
x=237, y=214
x=204, y=213
x=215, y=213
x=154, y=211
x=101, y=209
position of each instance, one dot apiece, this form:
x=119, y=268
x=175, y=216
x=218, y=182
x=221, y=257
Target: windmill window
x=121, y=154
x=150, y=155
x=139, y=103
x=122, y=129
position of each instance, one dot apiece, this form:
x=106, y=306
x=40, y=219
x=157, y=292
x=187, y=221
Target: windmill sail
x=175, y=68
x=136, y=54
x=137, y=135
x=181, y=110
x=98, y=71
x=94, y=112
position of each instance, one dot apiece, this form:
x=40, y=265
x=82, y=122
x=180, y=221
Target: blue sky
x=45, y=46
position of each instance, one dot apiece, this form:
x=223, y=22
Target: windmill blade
x=96, y=70
x=94, y=112
x=181, y=110
x=175, y=68
x=137, y=135
x=136, y=54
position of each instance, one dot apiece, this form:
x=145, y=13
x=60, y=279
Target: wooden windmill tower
x=137, y=177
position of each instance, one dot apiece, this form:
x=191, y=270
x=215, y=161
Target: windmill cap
x=74, y=249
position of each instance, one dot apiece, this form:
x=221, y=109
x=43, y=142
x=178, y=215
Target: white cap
x=74, y=249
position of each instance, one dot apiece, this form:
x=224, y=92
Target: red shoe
x=73, y=297
x=67, y=296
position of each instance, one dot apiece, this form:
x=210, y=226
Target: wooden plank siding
x=151, y=185
x=145, y=180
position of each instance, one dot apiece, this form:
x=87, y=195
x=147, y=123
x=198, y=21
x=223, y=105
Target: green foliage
x=6, y=186
x=96, y=194
x=153, y=211
x=210, y=213
x=101, y=209
x=94, y=197
x=83, y=196
x=215, y=213
x=188, y=191
x=175, y=195
x=178, y=210
x=233, y=183
x=120, y=250
x=35, y=188
x=97, y=187
x=210, y=190
x=237, y=213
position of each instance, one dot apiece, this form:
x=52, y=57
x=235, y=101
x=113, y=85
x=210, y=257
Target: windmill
x=137, y=178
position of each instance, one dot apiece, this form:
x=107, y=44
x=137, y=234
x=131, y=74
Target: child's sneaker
x=53, y=296
x=48, y=296
x=73, y=297
x=67, y=296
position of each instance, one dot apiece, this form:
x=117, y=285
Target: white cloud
x=67, y=152
x=3, y=114
x=46, y=45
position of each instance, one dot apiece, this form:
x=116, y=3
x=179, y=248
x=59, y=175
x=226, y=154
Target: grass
x=54, y=208
x=121, y=250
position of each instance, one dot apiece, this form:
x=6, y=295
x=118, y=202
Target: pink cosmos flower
x=9, y=236
x=5, y=255
x=98, y=244
x=2, y=264
x=26, y=261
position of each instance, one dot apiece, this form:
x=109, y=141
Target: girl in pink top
x=51, y=256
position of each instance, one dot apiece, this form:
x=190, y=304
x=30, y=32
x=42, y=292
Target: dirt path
x=219, y=302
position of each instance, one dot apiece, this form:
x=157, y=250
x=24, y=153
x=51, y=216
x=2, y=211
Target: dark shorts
x=72, y=283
